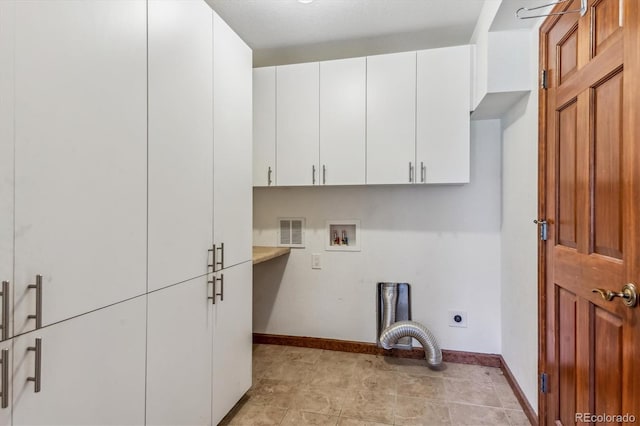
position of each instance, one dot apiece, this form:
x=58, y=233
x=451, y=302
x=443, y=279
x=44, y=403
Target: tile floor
x=300, y=386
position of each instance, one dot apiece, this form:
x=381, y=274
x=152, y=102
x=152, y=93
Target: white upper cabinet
x=297, y=124
x=391, y=118
x=180, y=140
x=80, y=155
x=232, y=143
x=342, y=121
x=443, y=128
x=264, y=126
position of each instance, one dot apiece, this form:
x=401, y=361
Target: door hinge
x=544, y=79
x=543, y=228
x=544, y=383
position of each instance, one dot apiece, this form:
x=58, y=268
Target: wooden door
x=342, y=121
x=590, y=121
x=180, y=140
x=92, y=369
x=232, y=128
x=391, y=118
x=297, y=124
x=80, y=155
x=443, y=129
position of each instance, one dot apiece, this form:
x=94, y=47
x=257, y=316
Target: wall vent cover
x=291, y=231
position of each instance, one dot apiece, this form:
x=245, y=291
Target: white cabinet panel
x=6, y=149
x=342, y=121
x=179, y=354
x=80, y=155
x=391, y=118
x=180, y=140
x=6, y=351
x=264, y=126
x=232, y=142
x=443, y=128
x=297, y=124
x=232, y=338
x=92, y=370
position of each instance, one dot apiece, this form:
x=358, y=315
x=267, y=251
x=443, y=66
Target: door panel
x=232, y=142
x=232, y=338
x=92, y=370
x=591, y=180
x=180, y=140
x=179, y=355
x=80, y=155
x=264, y=126
x=297, y=123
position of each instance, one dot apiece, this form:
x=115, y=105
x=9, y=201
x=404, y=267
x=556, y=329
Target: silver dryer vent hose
x=396, y=331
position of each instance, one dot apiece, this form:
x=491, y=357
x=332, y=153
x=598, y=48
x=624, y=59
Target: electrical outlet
x=315, y=261
x=458, y=319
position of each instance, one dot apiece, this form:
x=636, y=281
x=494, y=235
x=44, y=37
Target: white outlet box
x=458, y=319
x=316, y=261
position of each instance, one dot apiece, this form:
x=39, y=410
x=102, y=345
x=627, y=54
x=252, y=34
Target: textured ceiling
x=286, y=31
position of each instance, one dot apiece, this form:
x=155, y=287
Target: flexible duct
x=396, y=331
x=389, y=300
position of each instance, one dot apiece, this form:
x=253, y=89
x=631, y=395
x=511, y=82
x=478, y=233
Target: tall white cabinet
x=264, y=126
x=130, y=125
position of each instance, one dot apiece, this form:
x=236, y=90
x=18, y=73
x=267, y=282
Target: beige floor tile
x=332, y=373
x=260, y=366
x=419, y=411
x=374, y=362
x=274, y=393
x=254, y=415
x=497, y=377
x=374, y=380
x=414, y=367
x=294, y=417
x=469, y=392
x=339, y=356
x=319, y=400
x=270, y=351
x=421, y=386
x=507, y=397
x=517, y=418
x=345, y=421
x=289, y=371
x=306, y=355
x=473, y=373
x=474, y=415
x=369, y=406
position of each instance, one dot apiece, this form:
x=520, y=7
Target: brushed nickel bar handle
x=324, y=174
x=221, y=294
x=221, y=263
x=269, y=176
x=313, y=174
x=423, y=172
x=410, y=172
x=38, y=288
x=213, y=291
x=37, y=377
x=4, y=335
x=4, y=389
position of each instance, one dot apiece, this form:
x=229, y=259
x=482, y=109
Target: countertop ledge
x=264, y=253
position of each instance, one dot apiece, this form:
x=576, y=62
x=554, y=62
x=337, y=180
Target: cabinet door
x=232, y=338
x=297, y=124
x=264, y=126
x=6, y=155
x=443, y=128
x=179, y=354
x=391, y=118
x=232, y=142
x=92, y=370
x=6, y=351
x=180, y=140
x=80, y=155
x=342, y=121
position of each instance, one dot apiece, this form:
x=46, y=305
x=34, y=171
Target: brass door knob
x=629, y=294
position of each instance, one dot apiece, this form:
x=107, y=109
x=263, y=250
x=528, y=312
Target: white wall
x=443, y=240
x=519, y=236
